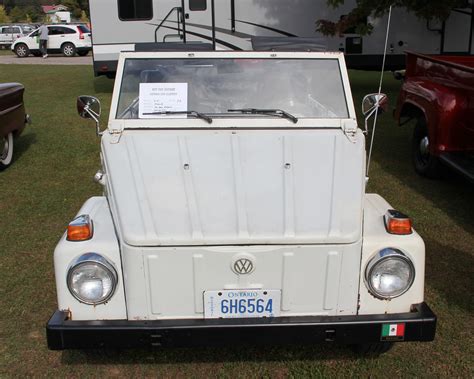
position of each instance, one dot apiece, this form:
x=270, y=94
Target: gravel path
x=51, y=60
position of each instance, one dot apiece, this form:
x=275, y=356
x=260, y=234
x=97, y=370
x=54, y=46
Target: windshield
x=305, y=88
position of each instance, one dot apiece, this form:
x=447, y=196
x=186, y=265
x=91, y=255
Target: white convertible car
x=234, y=211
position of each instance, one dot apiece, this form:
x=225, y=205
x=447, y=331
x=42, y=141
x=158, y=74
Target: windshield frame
x=242, y=120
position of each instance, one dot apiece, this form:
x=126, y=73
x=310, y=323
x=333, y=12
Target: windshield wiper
x=270, y=112
x=202, y=116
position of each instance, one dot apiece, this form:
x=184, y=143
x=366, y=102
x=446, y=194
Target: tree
x=33, y=12
x=17, y=14
x=74, y=7
x=84, y=17
x=4, y=19
x=423, y=9
x=9, y=5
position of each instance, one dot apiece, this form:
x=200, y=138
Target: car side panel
x=12, y=109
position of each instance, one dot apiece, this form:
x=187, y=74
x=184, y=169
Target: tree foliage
x=4, y=19
x=30, y=10
x=423, y=9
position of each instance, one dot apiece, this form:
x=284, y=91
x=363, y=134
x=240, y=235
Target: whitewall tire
x=6, y=151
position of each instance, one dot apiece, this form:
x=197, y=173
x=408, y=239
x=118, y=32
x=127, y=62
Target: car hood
x=235, y=187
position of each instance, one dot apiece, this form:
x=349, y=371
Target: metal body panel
x=236, y=187
x=375, y=239
x=103, y=242
x=168, y=282
x=12, y=109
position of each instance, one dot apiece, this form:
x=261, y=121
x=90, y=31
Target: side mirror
x=374, y=102
x=89, y=107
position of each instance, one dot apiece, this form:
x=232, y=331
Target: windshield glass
x=305, y=88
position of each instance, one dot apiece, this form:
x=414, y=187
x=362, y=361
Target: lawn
x=55, y=160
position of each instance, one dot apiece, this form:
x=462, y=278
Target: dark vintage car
x=13, y=119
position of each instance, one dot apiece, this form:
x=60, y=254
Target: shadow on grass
x=23, y=143
x=103, y=84
x=450, y=272
x=209, y=355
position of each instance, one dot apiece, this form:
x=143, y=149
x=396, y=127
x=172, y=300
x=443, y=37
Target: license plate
x=242, y=303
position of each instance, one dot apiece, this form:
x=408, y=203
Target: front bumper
x=419, y=325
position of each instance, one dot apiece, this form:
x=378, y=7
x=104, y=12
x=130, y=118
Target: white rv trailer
x=130, y=25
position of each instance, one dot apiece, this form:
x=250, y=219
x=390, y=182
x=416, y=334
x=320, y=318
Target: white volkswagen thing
x=234, y=212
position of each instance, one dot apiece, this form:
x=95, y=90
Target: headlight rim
x=101, y=261
x=382, y=255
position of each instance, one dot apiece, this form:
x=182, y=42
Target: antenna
x=380, y=90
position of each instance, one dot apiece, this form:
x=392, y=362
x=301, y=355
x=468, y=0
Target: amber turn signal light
x=397, y=223
x=80, y=229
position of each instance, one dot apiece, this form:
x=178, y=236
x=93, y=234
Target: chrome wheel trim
x=5, y=148
x=424, y=149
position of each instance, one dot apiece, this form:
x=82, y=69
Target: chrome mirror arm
x=368, y=116
x=95, y=117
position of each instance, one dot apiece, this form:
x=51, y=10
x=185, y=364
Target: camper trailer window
x=132, y=10
x=197, y=5
x=306, y=88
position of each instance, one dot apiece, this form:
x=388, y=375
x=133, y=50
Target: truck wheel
x=425, y=163
x=21, y=50
x=6, y=151
x=68, y=49
x=373, y=348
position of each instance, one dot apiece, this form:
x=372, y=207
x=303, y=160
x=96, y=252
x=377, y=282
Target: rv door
x=458, y=32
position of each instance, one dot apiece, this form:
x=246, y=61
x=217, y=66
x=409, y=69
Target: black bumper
x=419, y=325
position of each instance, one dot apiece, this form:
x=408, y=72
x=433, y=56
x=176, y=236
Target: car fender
x=104, y=242
x=376, y=238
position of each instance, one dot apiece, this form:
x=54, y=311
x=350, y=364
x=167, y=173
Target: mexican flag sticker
x=393, y=332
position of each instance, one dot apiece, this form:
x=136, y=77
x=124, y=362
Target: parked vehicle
x=66, y=39
x=125, y=25
x=439, y=93
x=12, y=119
x=234, y=211
x=9, y=34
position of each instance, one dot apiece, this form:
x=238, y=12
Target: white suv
x=65, y=39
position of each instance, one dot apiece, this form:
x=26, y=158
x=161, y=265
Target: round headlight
x=389, y=274
x=92, y=279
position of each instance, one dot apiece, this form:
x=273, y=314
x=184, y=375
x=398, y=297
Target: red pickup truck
x=439, y=93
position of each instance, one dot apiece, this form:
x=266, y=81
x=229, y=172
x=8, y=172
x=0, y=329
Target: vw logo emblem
x=243, y=266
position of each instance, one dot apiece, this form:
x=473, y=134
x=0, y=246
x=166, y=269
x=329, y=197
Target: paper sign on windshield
x=163, y=97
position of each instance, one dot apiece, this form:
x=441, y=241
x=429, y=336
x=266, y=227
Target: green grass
x=55, y=160
x=6, y=52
